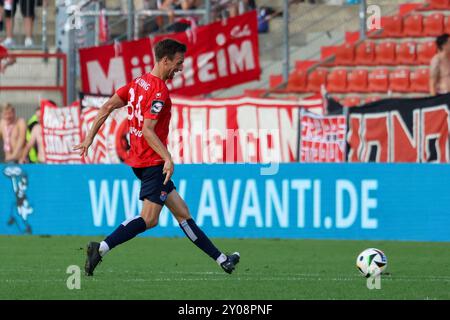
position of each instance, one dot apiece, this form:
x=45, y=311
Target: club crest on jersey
x=157, y=106
x=163, y=196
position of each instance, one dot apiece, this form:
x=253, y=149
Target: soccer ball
x=371, y=262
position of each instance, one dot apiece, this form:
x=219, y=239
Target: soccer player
x=148, y=106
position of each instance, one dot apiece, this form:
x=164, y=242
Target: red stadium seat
x=406, y=53
x=426, y=51
x=413, y=25
x=351, y=101
x=433, y=25
x=438, y=4
x=399, y=80
x=365, y=53
x=385, y=53
x=392, y=27
x=316, y=79
x=419, y=80
x=357, y=80
x=379, y=80
x=371, y=99
x=297, y=81
x=337, y=81
x=345, y=55
x=447, y=25
x=275, y=80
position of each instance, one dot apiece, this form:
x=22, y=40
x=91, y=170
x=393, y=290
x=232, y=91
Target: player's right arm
x=148, y=131
x=113, y=103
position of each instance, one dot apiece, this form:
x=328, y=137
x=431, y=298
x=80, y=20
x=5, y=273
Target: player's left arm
x=113, y=103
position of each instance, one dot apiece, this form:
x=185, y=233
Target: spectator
x=440, y=67
x=5, y=59
x=12, y=132
x=171, y=5
x=34, y=149
x=27, y=10
x=1, y=15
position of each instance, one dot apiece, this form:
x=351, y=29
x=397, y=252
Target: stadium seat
x=316, y=79
x=447, y=24
x=297, y=81
x=433, y=25
x=406, y=53
x=379, y=80
x=371, y=99
x=351, y=101
x=399, y=80
x=365, y=53
x=275, y=80
x=419, y=80
x=345, y=55
x=337, y=81
x=438, y=4
x=385, y=53
x=357, y=80
x=426, y=51
x=392, y=27
x=413, y=25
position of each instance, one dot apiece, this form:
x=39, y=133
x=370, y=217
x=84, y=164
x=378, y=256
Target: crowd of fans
x=21, y=141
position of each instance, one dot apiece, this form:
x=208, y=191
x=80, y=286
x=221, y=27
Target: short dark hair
x=168, y=48
x=442, y=40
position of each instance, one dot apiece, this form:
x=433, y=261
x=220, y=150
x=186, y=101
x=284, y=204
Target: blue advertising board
x=304, y=201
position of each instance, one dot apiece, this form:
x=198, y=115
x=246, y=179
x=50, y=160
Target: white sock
x=221, y=258
x=103, y=248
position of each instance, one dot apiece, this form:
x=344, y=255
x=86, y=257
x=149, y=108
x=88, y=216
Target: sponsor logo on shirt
x=157, y=106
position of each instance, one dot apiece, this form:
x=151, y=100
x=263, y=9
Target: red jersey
x=147, y=97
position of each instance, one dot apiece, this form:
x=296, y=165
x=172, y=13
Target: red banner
x=322, y=138
x=219, y=55
x=61, y=130
x=243, y=130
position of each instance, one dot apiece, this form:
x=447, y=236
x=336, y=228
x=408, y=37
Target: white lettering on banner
x=237, y=32
x=229, y=206
x=273, y=210
x=251, y=210
x=62, y=145
x=316, y=201
x=205, y=210
x=368, y=203
x=247, y=118
x=345, y=186
x=241, y=58
x=205, y=66
x=102, y=83
x=131, y=203
x=281, y=207
x=288, y=133
x=301, y=186
x=61, y=118
x=102, y=201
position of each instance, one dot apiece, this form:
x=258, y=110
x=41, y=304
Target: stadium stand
x=390, y=62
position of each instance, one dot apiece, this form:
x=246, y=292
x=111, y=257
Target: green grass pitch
x=34, y=267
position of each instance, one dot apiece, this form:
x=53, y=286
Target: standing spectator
x=440, y=67
x=1, y=15
x=12, y=132
x=34, y=149
x=27, y=10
